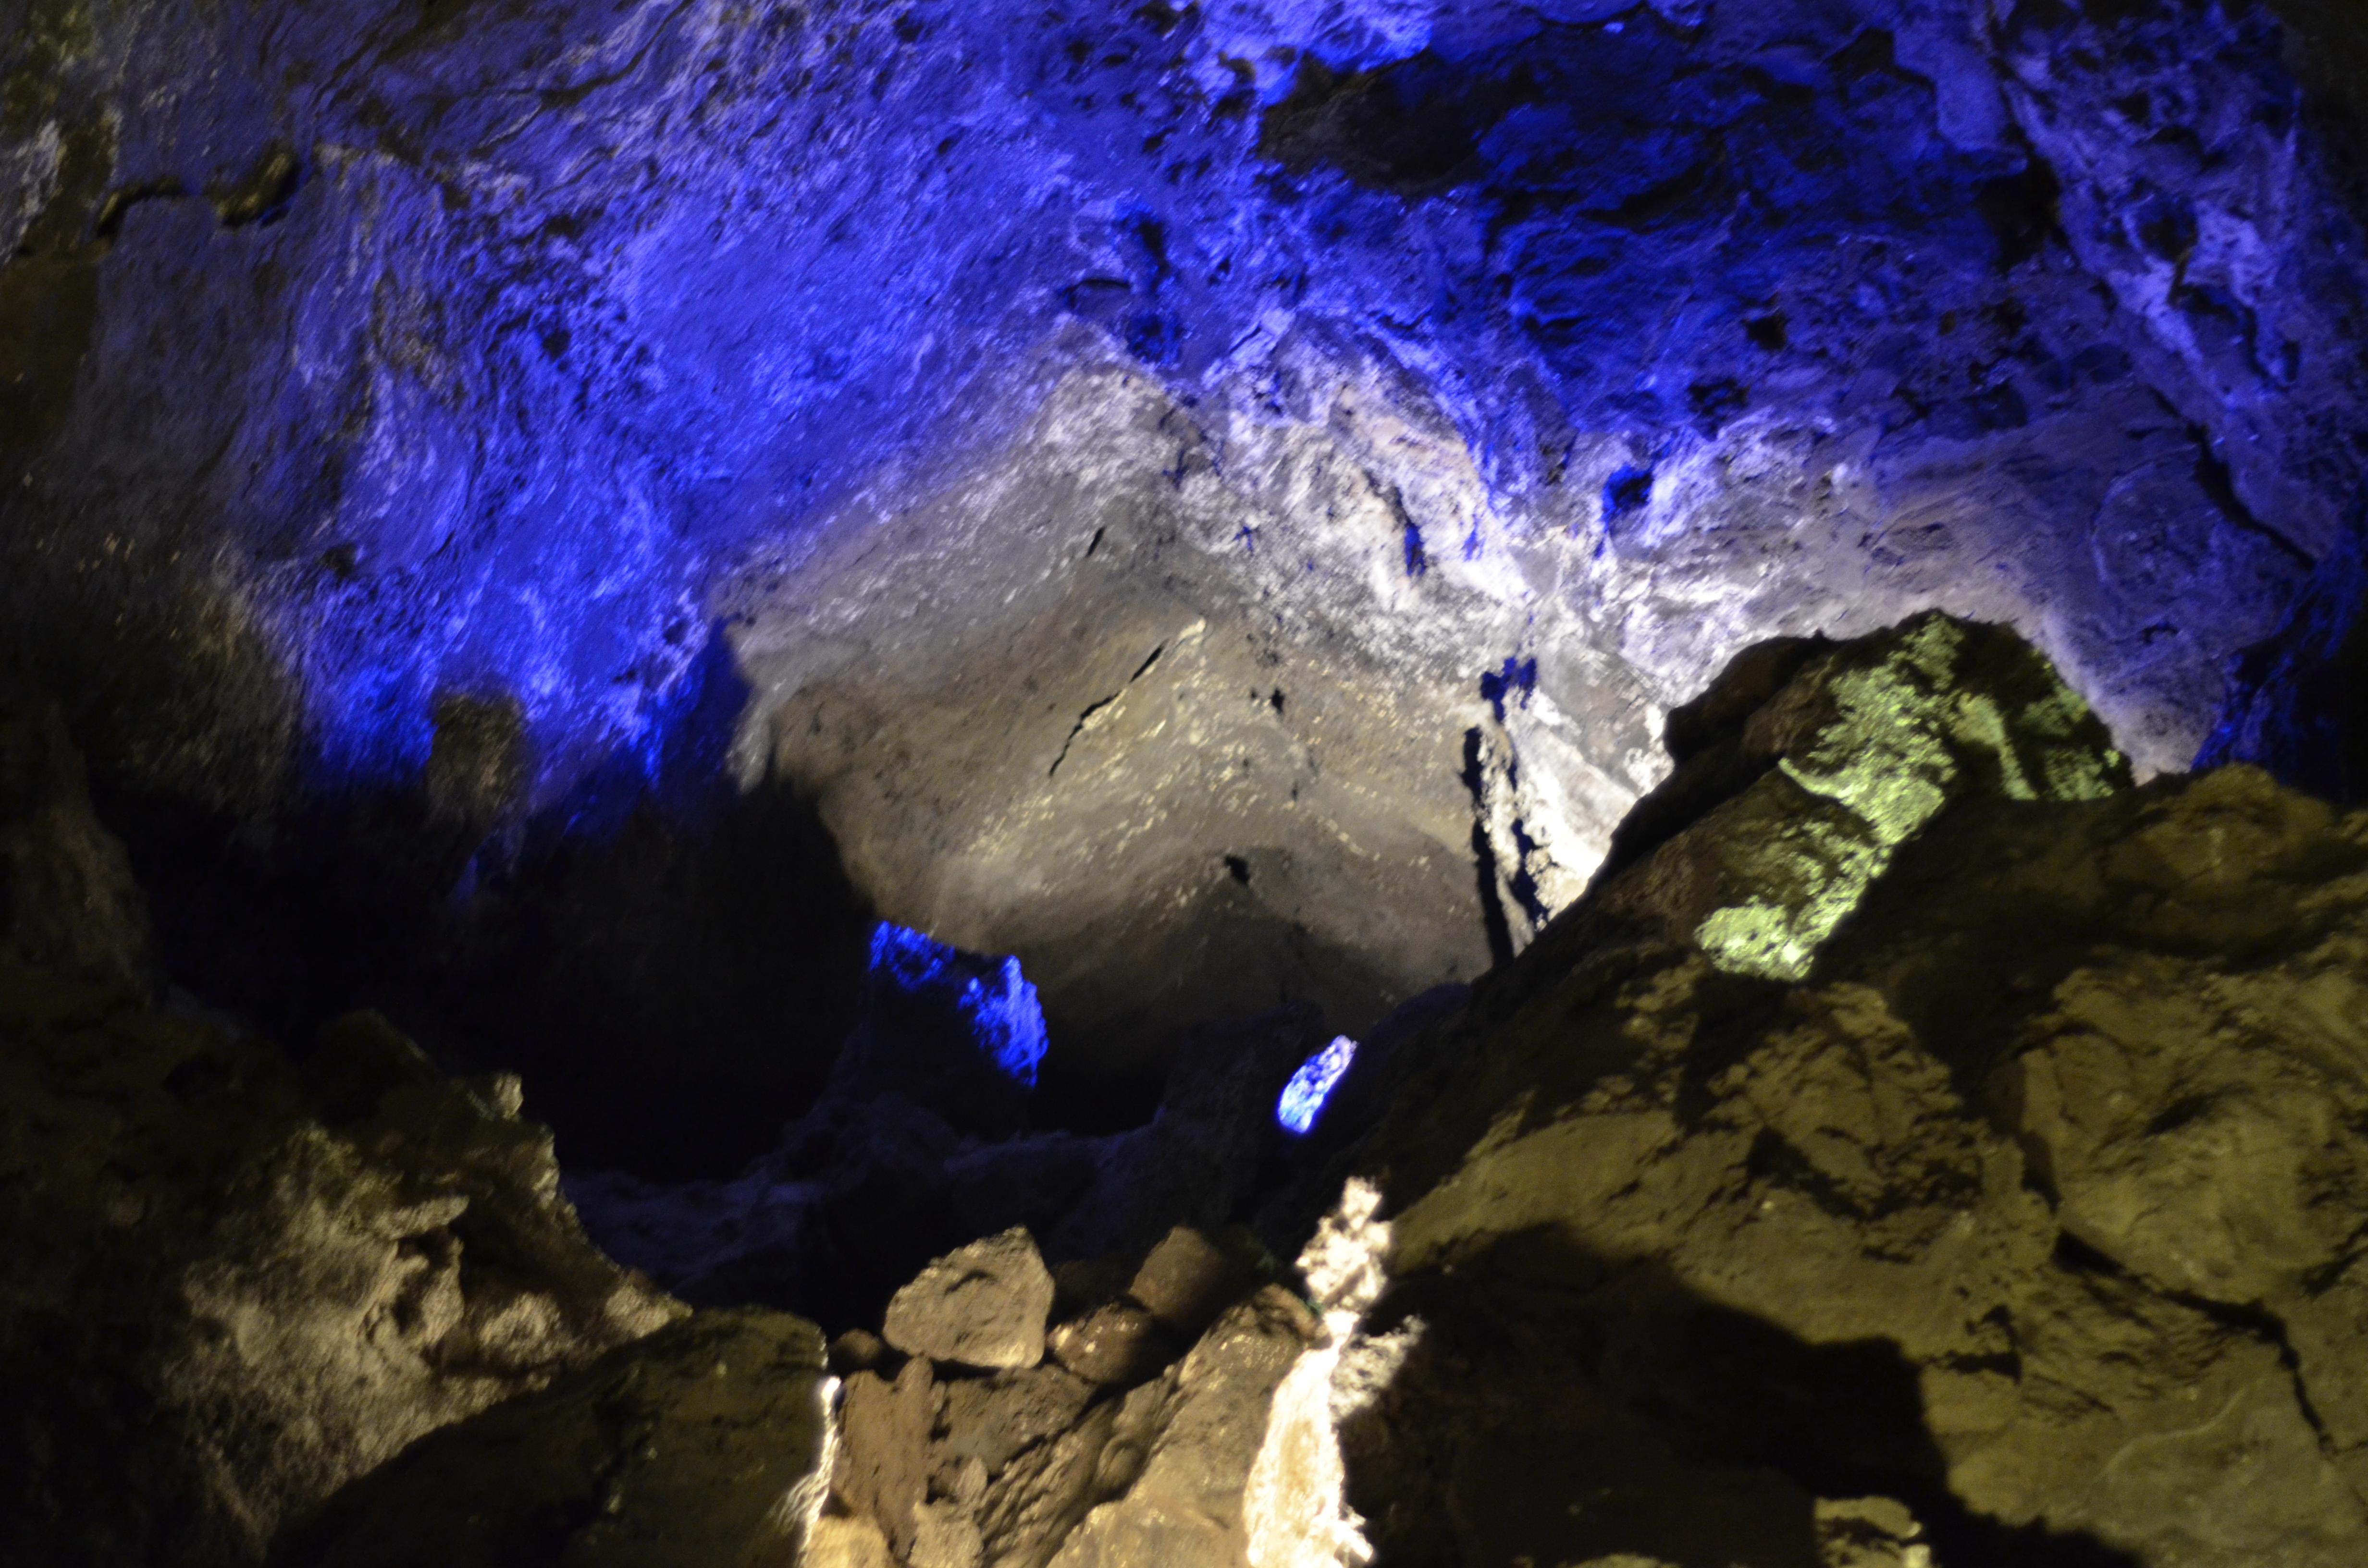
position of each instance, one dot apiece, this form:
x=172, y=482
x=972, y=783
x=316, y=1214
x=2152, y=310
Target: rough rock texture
x=1793, y=806
x=2014, y=1218
x=234, y=1284
x=699, y=1444
x=1117, y=1342
x=1210, y=499
x=1194, y=1443
x=866, y=1189
x=939, y=1466
x=983, y=1305
x=2032, y=1204
x=883, y=1469
x=1186, y=1280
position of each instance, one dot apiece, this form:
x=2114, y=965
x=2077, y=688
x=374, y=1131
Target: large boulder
x=983, y=1305
x=2022, y=1190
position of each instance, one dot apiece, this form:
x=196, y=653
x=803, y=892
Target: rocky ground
x=1922, y=1145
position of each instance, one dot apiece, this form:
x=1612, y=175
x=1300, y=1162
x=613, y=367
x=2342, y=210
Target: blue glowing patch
x=1009, y=1021
x=1303, y=1097
x=908, y=958
x=1001, y=1007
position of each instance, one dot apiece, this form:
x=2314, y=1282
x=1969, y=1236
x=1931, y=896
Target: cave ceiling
x=1215, y=500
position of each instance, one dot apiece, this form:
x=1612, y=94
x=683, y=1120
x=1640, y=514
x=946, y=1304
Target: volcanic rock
x=991, y=1420
x=1116, y=1343
x=2027, y=1202
x=844, y=1542
x=696, y=1444
x=1189, y=1448
x=1185, y=1281
x=1211, y=499
x=983, y=1305
x=884, y=1458
x=235, y=1284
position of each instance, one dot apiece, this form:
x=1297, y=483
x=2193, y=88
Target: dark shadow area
x=901, y=1160
x=672, y=994
x=1557, y=1407
x=2327, y=49
x=2298, y=700
x=1125, y=988
x=671, y=965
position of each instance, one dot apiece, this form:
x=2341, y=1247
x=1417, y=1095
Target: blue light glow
x=533, y=408
x=1009, y=1021
x=1303, y=1097
x=1002, y=1008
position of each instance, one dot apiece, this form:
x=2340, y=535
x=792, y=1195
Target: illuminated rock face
x=2016, y=1224
x=1214, y=501
x=1650, y=1219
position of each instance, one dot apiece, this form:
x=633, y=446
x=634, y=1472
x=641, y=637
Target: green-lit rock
x=2011, y=1167
x=1852, y=757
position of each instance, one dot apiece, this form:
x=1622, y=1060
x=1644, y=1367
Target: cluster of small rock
x=972, y=1434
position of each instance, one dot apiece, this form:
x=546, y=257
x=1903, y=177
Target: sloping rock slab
x=699, y=1445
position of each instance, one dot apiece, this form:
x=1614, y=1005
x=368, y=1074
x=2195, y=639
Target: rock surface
x=234, y=1283
x=2027, y=1203
x=699, y=1444
x=2013, y=1218
x=983, y=1305
x=1211, y=499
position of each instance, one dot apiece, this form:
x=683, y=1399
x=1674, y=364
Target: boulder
x=992, y=1420
x=983, y=1305
x=882, y=1471
x=1182, y=1453
x=1187, y=1281
x=1117, y=1343
x=2020, y=1191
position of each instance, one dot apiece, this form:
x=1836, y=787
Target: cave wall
x=1160, y=474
